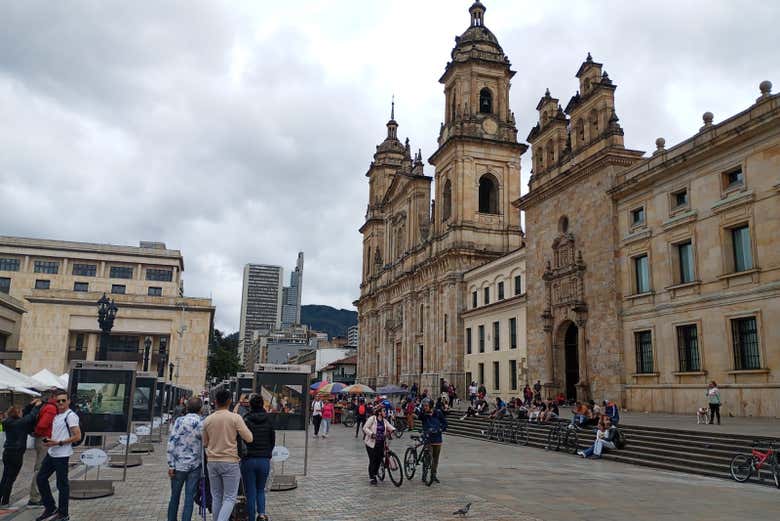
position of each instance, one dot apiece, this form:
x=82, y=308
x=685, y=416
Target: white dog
x=702, y=416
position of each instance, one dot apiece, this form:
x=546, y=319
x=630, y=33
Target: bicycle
x=400, y=425
x=516, y=431
x=563, y=435
x=392, y=464
x=743, y=466
x=495, y=430
x=413, y=457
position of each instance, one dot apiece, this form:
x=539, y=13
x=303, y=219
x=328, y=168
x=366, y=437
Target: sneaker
x=436, y=480
x=32, y=503
x=580, y=453
x=373, y=481
x=46, y=515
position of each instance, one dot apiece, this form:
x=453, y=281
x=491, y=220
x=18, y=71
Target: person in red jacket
x=42, y=430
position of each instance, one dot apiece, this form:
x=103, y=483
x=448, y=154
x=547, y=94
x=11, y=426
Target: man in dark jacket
x=16, y=427
x=434, y=423
x=256, y=464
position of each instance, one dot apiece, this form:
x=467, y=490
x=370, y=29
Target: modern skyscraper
x=291, y=296
x=261, y=303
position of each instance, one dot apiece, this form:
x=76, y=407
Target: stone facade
x=496, y=301
x=59, y=283
x=11, y=312
x=415, y=253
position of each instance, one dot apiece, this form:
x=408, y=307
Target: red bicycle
x=743, y=466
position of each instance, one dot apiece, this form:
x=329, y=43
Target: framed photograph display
x=143, y=396
x=101, y=394
x=159, y=398
x=283, y=388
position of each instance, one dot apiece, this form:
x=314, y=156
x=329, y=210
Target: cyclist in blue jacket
x=434, y=423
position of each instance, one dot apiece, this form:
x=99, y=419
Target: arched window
x=488, y=194
x=580, y=133
x=447, y=203
x=550, y=153
x=485, y=101
x=594, y=123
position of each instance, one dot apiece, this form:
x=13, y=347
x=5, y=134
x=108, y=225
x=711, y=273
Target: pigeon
x=462, y=511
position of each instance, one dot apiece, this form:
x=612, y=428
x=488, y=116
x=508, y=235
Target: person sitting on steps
x=605, y=436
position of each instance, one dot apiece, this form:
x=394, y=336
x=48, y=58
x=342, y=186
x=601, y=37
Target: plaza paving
x=503, y=483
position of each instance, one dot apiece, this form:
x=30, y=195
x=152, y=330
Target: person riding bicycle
x=434, y=423
x=376, y=431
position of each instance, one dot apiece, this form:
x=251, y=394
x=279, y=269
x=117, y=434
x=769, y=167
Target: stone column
x=91, y=345
x=582, y=355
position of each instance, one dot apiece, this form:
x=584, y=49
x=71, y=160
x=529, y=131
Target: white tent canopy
x=49, y=379
x=65, y=377
x=11, y=380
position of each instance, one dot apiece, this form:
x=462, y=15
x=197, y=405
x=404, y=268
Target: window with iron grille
x=85, y=270
x=644, y=351
x=81, y=286
x=496, y=336
x=688, y=348
x=162, y=275
x=512, y=333
x=500, y=291
x=51, y=267
x=744, y=336
x=513, y=373
x=481, y=332
x=5, y=285
x=119, y=289
x=42, y=284
x=155, y=292
x=468, y=340
x=121, y=272
x=9, y=264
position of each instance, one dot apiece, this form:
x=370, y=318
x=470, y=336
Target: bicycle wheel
x=394, y=469
x=741, y=467
x=510, y=432
x=427, y=471
x=776, y=471
x=522, y=433
x=553, y=439
x=500, y=428
x=381, y=472
x=570, y=441
x=349, y=421
x=410, y=462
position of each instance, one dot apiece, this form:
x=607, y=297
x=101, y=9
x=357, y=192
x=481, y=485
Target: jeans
x=12, y=464
x=40, y=452
x=48, y=467
x=714, y=409
x=325, y=426
x=598, y=447
x=255, y=472
x=316, y=420
x=224, y=478
x=189, y=481
x=375, y=456
x=359, y=422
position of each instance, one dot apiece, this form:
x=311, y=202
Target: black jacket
x=264, y=437
x=17, y=429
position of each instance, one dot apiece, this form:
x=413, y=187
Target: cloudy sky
x=241, y=132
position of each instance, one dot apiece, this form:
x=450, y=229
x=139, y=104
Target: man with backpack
x=42, y=430
x=360, y=416
x=65, y=432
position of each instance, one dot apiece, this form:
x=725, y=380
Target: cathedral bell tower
x=478, y=159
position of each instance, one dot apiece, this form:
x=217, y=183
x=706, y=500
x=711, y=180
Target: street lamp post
x=106, y=314
x=170, y=371
x=163, y=358
x=147, y=351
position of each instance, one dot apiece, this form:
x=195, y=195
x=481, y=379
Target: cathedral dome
x=478, y=41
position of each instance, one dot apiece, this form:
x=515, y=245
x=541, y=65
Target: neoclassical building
x=415, y=252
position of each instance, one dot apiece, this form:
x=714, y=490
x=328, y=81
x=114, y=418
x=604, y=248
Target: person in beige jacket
x=220, y=437
x=376, y=431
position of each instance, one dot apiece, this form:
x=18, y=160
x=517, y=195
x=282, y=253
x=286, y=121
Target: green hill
x=333, y=321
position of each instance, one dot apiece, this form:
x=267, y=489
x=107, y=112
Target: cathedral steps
x=701, y=453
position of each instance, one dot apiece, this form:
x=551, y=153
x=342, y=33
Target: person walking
x=360, y=415
x=185, y=457
x=42, y=430
x=713, y=397
x=528, y=395
x=64, y=432
x=328, y=411
x=256, y=464
x=376, y=430
x=538, y=390
x=434, y=423
x=220, y=436
x=316, y=415
x=17, y=426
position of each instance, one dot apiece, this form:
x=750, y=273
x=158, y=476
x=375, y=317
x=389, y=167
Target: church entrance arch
x=571, y=359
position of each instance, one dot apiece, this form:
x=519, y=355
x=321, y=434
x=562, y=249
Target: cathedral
x=417, y=244
x=646, y=276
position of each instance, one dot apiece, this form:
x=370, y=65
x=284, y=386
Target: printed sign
x=94, y=457
x=280, y=453
x=133, y=439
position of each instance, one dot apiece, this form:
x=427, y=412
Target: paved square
x=503, y=483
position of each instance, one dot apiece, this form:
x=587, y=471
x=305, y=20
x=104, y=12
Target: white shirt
x=472, y=389
x=60, y=431
x=317, y=408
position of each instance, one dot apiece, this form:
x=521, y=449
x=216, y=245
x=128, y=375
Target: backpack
x=620, y=439
x=362, y=410
x=83, y=435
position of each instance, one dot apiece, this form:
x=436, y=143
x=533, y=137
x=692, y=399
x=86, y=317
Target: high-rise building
x=291, y=296
x=261, y=304
x=353, y=336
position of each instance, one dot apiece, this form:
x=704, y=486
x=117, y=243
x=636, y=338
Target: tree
x=223, y=356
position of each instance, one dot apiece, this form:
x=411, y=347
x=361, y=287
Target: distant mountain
x=333, y=321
